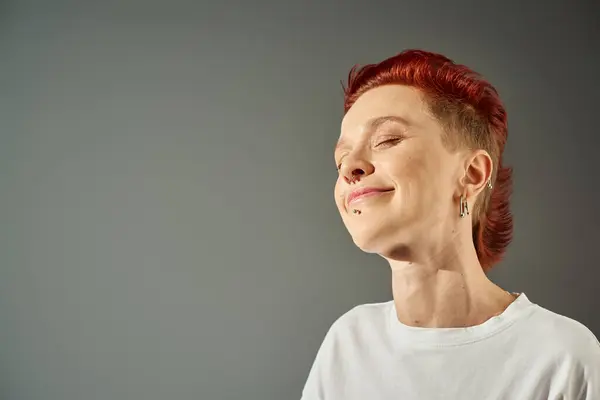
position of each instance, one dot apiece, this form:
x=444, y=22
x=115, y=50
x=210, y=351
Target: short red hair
x=472, y=114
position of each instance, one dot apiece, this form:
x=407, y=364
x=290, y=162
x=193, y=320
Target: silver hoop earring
x=464, y=207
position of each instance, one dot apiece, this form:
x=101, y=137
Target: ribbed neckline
x=436, y=337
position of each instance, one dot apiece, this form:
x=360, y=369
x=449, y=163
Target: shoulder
x=572, y=348
x=566, y=337
x=363, y=316
x=349, y=337
x=565, y=329
x=362, y=323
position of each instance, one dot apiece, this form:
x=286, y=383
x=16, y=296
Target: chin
x=385, y=238
x=388, y=247
x=374, y=241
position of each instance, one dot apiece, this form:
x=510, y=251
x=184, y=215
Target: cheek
x=413, y=181
x=409, y=171
x=417, y=179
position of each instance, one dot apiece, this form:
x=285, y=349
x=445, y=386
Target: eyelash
x=389, y=141
x=386, y=142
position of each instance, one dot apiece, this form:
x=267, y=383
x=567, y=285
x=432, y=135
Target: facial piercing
x=464, y=206
x=355, y=211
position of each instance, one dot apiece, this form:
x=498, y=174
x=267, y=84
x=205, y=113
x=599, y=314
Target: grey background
x=167, y=225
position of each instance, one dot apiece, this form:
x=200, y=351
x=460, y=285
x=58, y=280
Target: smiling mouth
x=367, y=195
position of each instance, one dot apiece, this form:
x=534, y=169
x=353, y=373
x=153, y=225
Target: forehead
x=391, y=100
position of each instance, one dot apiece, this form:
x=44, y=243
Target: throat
x=450, y=308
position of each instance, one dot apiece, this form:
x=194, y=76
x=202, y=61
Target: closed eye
x=389, y=142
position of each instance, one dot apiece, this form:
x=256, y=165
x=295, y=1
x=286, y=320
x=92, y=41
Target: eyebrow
x=375, y=123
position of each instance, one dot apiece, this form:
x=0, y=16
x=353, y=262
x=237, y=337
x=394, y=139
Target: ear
x=478, y=171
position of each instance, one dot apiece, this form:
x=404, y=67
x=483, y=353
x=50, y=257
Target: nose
x=354, y=169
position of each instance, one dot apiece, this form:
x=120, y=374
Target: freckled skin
x=423, y=173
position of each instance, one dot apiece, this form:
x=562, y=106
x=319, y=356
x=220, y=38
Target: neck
x=445, y=291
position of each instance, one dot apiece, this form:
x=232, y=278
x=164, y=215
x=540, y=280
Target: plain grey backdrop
x=167, y=224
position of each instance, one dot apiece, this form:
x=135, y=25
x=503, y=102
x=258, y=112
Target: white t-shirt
x=525, y=353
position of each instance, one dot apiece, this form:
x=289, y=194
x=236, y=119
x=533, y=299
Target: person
x=422, y=184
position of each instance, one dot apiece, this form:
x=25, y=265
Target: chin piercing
x=355, y=211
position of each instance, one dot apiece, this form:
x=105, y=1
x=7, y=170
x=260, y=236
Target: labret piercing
x=352, y=180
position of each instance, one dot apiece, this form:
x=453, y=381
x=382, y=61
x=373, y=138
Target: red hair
x=472, y=114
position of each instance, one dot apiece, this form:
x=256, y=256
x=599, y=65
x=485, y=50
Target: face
x=392, y=146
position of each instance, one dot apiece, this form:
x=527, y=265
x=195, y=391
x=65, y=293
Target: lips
x=361, y=193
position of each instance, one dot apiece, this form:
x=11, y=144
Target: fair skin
x=390, y=141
